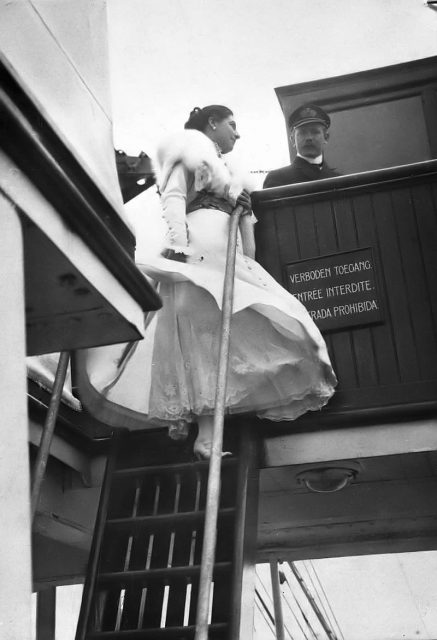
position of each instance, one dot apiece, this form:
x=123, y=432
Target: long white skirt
x=279, y=366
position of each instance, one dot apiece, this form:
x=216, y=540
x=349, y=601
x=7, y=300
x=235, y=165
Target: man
x=309, y=135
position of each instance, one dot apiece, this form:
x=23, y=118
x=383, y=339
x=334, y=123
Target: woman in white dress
x=278, y=368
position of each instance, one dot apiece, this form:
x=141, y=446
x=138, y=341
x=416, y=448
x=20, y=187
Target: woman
x=279, y=367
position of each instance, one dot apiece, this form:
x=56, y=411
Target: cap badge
x=308, y=113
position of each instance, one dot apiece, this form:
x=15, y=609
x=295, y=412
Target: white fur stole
x=199, y=155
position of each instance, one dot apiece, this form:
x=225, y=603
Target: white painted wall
x=15, y=527
x=58, y=49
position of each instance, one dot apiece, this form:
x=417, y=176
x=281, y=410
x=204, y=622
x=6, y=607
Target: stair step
x=216, y=630
x=167, y=575
x=172, y=468
x=170, y=520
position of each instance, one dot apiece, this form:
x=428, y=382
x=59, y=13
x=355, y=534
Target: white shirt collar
x=317, y=160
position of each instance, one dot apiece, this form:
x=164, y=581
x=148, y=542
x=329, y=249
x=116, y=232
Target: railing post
x=213, y=493
x=46, y=614
x=245, y=534
x=49, y=427
x=277, y=600
x=96, y=544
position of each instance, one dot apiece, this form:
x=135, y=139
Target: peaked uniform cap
x=308, y=113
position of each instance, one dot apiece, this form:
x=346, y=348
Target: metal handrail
x=213, y=493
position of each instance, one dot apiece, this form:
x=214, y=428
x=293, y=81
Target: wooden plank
x=216, y=631
x=364, y=538
x=325, y=227
x=429, y=101
x=397, y=301
x=345, y=223
x=365, y=357
x=165, y=469
x=46, y=614
x=356, y=442
x=360, y=502
x=182, y=518
x=425, y=205
x=306, y=230
x=414, y=276
x=399, y=397
x=363, y=352
x=387, y=370
x=287, y=238
x=328, y=243
x=163, y=575
x=342, y=341
x=266, y=242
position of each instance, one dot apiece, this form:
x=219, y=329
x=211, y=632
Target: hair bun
x=195, y=111
x=199, y=117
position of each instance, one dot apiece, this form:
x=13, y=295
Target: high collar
x=318, y=161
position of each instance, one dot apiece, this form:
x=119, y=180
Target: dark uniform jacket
x=298, y=171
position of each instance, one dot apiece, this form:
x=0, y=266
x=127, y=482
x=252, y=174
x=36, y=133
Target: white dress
x=279, y=366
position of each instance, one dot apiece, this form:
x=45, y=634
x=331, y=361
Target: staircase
x=144, y=564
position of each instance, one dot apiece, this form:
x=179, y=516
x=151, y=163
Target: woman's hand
x=245, y=201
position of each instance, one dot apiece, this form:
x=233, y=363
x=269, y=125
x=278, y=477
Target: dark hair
x=199, y=117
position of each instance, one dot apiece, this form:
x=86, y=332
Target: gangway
x=144, y=566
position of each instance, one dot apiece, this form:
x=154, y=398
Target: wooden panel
x=355, y=344
x=392, y=364
x=397, y=306
x=387, y=439
x=413, y=271
x=265, y=241
x=388, y=507
x=342, y=341
x=325, y=227
x=386, y=368
x=425, y=203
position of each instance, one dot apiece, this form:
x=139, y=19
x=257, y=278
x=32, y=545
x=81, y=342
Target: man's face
x=309, y=139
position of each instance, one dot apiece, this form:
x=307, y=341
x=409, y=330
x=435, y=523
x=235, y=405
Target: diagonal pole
x=49, y=428
x=326, y=627
x=213, y=493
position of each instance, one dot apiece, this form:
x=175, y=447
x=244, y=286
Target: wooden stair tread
x=176, y=519
x=123, y=578
x=172, y=468
x=167, y=632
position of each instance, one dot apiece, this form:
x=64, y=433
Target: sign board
x=339, y=290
